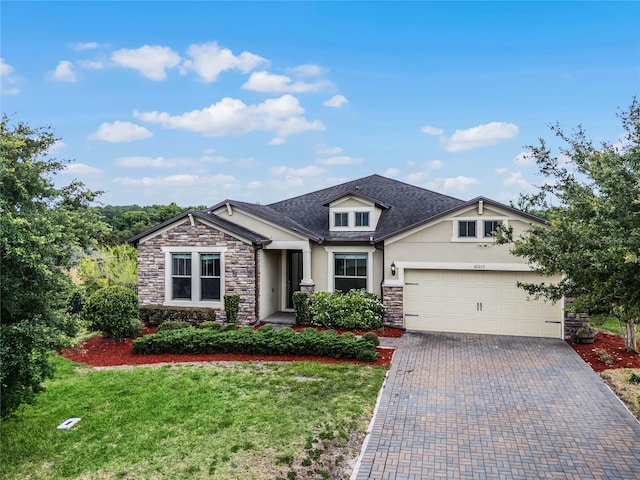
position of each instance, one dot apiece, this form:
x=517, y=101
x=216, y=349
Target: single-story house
x=430, y=257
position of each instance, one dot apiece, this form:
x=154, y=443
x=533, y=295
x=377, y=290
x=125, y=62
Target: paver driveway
x=482, y=406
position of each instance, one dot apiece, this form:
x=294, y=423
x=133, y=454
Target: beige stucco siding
x=270, y=285
x=256, y=225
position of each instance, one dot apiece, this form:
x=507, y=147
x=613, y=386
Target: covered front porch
x=284, y=268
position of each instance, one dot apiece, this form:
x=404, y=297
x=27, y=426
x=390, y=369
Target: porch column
x=307, y=281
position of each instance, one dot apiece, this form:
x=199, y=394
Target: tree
x=592, y=194
x=117, y=265
x=41, y=226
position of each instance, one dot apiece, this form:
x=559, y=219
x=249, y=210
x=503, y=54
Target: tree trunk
x=630, y=338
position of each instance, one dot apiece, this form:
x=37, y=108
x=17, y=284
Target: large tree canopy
x=41, y=226
x=592, y=193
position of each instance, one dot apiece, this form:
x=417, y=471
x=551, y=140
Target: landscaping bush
x=351, y=310
x=232, y=306
x=112, y=310
x=154, y=315
x=301, y=306
x=264, y=341
x=173, y=325
x=210, y=325
x=371, y=337
x=634, y=378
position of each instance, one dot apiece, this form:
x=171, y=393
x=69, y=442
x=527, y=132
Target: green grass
x=609, y=324
x=236, y=420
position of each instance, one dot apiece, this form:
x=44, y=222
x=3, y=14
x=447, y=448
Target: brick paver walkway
x=484, y=407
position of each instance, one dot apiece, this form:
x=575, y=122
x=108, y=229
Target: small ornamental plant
x=232, y=306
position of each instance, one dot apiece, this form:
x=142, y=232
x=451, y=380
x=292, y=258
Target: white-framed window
x=341, y=219
x=466, y=229
x=350, y=271
x=194, y=275
x=350, y=268
x=491, y=226
x=362, y=219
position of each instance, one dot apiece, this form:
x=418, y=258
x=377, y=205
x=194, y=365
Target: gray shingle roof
x=407, y=205
x=231, y=227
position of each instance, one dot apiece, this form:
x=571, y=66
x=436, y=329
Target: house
x=430, y=257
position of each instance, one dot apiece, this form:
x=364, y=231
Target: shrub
x=232, y=306
x=135, y=328
x=301, y=305
x=154, y=315
x=111, y=311
x=210, y=325
x=264, y=341
x=351, y=310
x=227, y=327
x=371, y=337
x=173, y=325
x=634, y=378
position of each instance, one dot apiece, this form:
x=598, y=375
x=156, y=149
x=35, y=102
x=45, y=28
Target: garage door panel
x=477, y=302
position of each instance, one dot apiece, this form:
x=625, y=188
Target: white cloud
x=57, y=147
x=431, y=130
x=255, y=184
x=453, y=184
x=208, y=60
x=277, y=141
x=480, y=136
x=524, y=159
x=81, y=170
x=151, y=60
x=283, y=116
x=327, y=150
x=7, y=79
x=162, y=162
x=307, y=70
x=336, y=101
x=91, y=64
x=391, y=172
x=501, y=171
x=416, y=177
x=117, y=132
x=308, y=171
x=411, y=163
x=270, y=83
x=81, y=46
x=515, y=178
x=434, y=164
x=64, y=72
x=341, y=160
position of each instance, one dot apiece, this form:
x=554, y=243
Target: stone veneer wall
x=239, y=266
x=392, y=298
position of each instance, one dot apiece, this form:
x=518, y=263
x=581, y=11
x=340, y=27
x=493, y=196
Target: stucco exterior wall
x=239, y=265
x=256, y=225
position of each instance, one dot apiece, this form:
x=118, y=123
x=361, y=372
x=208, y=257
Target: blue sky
x=160, y=102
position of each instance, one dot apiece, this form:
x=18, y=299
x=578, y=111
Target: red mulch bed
x=102, y=352
x=612, y=344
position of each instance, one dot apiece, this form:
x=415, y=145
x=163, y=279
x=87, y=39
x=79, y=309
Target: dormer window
x=362, y=219
x=341, y=219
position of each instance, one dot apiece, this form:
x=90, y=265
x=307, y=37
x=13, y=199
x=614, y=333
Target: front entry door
x=294, y=274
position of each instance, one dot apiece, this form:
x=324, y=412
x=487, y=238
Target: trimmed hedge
x=264, y=341
x=232, y=306
x=154, y=315
x=114, y=312
x=301, y=304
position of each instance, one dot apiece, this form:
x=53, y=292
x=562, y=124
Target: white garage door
x=477, y=302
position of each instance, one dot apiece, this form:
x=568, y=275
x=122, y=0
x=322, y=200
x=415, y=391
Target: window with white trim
x=341, y=219
x=466, y=228
x=362, y=219
x=194, y=275
x=491, y=226
x=350, y=271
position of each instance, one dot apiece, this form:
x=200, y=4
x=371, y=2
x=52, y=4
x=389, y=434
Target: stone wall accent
x=308, y=288
x=572, y=322
x=239, y=266
x=393, y=299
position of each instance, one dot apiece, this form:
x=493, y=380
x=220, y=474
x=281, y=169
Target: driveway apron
x=484, y=407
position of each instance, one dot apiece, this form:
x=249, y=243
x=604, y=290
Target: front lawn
x=624, y=382
x=606, y=323
x=221, y=421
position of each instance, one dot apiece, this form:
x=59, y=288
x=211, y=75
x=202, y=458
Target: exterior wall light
x=393, y=269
